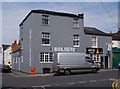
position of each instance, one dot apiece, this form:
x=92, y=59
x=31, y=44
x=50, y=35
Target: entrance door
x=106, y=61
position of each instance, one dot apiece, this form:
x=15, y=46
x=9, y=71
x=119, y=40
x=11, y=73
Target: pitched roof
x=5, y=46
x=52, y=13
x=115, y=37
x=94, y=31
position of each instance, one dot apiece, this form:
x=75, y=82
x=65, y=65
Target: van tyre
x=67, y=72
x=94, y=70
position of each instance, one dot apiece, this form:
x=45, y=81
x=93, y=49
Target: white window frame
x=21, y=59
x=45, y=17
x=46, y=54
x=76, y=39
x=21, y=43
x=16, y=59
x=46, y=35
x=94, y=46
x=13, y=60
x=76, y=23
x=94, y=56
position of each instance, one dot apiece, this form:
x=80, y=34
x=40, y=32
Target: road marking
x=113, y=84
x=70, y=83
x=43, y=87
x=36, y=86
x=83, y=82
x=92, y=81
x=103, y=79
x=116, y=85
x=13, y=75
x=47, y=85
x=56, y=84
x=113, y=79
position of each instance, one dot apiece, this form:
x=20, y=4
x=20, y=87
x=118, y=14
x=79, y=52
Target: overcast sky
x=95, y=15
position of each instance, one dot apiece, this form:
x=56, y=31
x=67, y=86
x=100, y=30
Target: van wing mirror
x=88, y=59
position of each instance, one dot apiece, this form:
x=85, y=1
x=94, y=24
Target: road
x=88, y=80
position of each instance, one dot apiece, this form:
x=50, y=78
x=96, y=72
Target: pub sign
x=94, y=50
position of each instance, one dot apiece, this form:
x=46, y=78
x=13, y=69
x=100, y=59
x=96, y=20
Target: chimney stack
x=110, y=32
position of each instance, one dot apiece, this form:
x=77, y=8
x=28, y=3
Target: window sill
x=46, y=62
x=45, y=24
x=76, y=46
x=45, y=44
x=94, y=46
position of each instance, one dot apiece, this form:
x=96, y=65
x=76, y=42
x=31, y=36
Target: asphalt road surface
x=85, y=80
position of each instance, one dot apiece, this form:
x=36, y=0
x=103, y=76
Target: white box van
x=68, y=62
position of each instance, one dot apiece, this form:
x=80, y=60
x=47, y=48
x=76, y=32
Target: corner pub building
x=44, y=33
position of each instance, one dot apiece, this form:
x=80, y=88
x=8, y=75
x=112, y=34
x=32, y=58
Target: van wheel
x=67, y=72
x=94, y=70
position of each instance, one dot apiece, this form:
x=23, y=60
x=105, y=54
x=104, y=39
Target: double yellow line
x=115, y=84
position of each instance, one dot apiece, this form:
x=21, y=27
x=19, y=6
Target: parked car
x=6, y=68
x=68, y=62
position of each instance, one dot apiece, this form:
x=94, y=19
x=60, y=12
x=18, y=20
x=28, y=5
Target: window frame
x=16, y=60
x=44, y=18
x=45, y=38
x=21, y=43
x=77, y=39
x=21, y=59
x=45, y=54
x=76, y=23
x=13, y=60
x=94, y=46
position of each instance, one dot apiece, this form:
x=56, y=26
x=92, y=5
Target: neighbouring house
x=116, y=48
x=15, y=47
x=4, y=47
x=44, y=33
x=99, y=46
x=8, y=56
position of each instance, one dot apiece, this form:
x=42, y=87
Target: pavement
x=17, y=73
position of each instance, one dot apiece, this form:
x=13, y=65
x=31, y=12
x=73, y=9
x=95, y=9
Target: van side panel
x=71, y=60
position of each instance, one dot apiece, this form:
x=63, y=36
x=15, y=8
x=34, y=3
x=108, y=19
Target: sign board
x=109, y=47
x=64, y=49
x=94, y=50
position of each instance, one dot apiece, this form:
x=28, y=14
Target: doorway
x=106, y=61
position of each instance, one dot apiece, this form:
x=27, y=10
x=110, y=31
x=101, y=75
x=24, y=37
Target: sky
x=95, y=15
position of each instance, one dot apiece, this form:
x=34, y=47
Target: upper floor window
x=16, y=59
x=45, y=19
x=13, y=60
x=94, y=41
x=21, y=59
x=21, y=43
x=76, y=40
x=76, y=23
x=46, y=39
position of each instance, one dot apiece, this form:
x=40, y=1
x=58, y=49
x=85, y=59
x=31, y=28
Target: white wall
x=8, y=56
